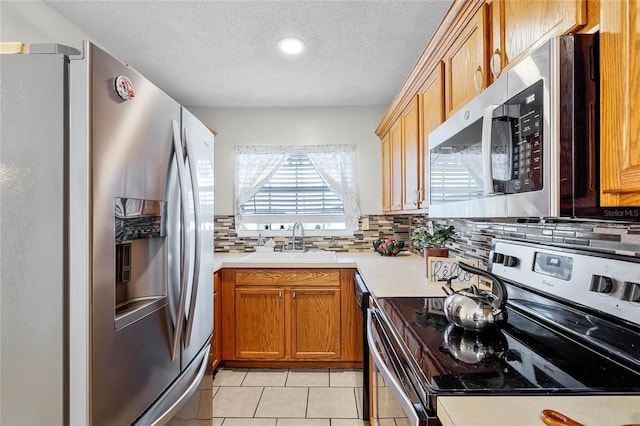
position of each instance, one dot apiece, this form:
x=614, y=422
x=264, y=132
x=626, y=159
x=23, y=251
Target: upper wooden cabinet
x=475, y=42
x=431, y=107
x=402, y=179
x=518, y=25
x=395, y=146
x=411, y=157
x=386, y=173
x=466, y=71
x=620, y=105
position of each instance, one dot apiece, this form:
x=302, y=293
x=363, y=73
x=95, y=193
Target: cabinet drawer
x=288, y=277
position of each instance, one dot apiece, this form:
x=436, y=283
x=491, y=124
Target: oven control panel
x=608, y=283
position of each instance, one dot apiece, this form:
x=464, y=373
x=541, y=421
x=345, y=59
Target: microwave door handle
x=487, y=173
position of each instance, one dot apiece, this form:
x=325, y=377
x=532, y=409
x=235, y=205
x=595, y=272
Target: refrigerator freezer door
x=130, y=148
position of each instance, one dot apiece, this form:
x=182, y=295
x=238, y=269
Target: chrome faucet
x=293, y=236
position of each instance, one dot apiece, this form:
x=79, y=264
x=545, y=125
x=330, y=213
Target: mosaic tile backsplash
x=472, y=239
x=397, y=227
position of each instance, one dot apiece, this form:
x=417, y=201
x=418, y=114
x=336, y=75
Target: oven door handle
x=395, y=387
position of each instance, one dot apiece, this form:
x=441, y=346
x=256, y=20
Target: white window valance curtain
x=336, y=164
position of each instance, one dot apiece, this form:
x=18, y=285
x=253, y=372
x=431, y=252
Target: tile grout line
x=255, y=411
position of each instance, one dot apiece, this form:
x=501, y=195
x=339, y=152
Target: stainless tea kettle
x=475, y=309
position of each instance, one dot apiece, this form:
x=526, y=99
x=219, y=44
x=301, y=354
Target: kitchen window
x=277, y=186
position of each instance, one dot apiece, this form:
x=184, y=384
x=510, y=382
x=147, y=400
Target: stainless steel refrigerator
x=106, y=226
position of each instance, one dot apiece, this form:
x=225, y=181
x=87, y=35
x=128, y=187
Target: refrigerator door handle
x=184, y=241
x=196, y=261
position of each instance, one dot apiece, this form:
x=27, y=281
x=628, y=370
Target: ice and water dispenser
x=141, y=270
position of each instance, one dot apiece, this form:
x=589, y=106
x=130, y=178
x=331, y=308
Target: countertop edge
x=386, y=276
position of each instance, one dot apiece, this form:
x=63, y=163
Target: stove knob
x=631, y=291
x=510, y=261
x=601, y=284
x=498, y=257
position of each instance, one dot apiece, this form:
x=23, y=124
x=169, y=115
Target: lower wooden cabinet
x=315, y=323
x=259, y=323
x=216, y=341
x=290, y=315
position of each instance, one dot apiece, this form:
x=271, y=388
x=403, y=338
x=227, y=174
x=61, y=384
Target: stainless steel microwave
x=528, y=146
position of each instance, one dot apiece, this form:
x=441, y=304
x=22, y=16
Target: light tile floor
x=287, y=397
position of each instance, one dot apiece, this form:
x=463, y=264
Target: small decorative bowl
x=388, y=247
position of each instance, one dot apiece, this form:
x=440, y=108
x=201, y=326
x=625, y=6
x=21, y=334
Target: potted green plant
x=433, y=240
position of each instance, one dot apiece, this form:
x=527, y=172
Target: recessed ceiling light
x=291, y=45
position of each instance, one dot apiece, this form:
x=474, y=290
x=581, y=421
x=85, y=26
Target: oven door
x=397, y=391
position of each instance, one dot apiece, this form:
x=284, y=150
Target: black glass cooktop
x=521, y=355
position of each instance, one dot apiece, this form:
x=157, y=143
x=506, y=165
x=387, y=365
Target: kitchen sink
x=287, y=257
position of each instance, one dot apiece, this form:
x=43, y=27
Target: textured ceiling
x=223, y=53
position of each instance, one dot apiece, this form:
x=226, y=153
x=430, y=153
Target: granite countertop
x=405, y=276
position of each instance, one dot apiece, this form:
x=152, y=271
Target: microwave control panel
x=524, y=114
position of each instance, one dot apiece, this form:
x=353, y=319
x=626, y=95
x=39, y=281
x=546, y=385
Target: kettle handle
x=500, y=290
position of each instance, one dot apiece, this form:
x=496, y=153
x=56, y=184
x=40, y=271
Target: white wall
x=36, y=22
x=296, y=126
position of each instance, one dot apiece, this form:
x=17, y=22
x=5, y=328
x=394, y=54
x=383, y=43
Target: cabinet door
x=497, y=61
x=532, y=22
x=386, y=173
x=431, y=97
x=620, y=113
x=315, y=323
x=396, y=165
x=412, y=156
x=259, y=323
x=466, y=63
x=216, y=340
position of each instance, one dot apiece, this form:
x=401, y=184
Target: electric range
x=572, y=328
